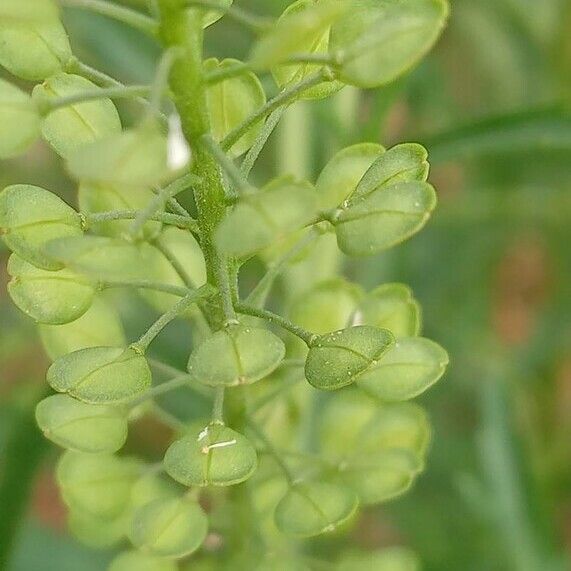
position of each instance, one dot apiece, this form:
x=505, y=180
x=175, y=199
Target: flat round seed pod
x=408, y=369
x=96, y=532
x=310, y=509
x=19, y=121
x=30, y=217
x=384, y=218
x=236, y=355
x=390, y=559
x=338, y=359
x=82, y=427
x=101, y=375
x=68, y=128
x=212, y=456
x=151, y=487
x=138, y=561
x=232, y=101
x=172, y=528
x=212, y=16
x=343, y=172
x=100, y=326
x=380, y=41
x=97, y=484
x=392, y=307
x=50, y=297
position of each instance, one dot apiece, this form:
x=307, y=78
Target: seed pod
x=151, y=487
x=100, y=326
x=213, y=456
x=326, y=307
x=97, y=484
x=171, y=528
x=30, y=217
x=96, y=532
x=391, y=559
x=101, y=375
x=19, y=121
x=392, y=307
x=69, y=128
x=338, y=359
x=385, y=218
x=82, y=427
x=51, y=297
x=319, y=45
x=343, y=172
x=212, y=16
x=379, y=41
x=236, y=355
x=411, y=366
x=31, y=48
x=258, y=220
x=312, y=508
x=138, y=561
x=232, y=101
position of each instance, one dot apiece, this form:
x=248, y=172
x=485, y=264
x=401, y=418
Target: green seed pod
x=101, y=375
x=30, y=217
x=392, y=307
x=294, y=30
x=384, y=218
x=380, y=41
x=319, y=45
x=402, y=163
x=391, y=559
x=213, y=456
x=212, y=16
x=135, y=158
x=51, y=297
x=19, y=121
x=33, y=49
x=328, y=306
x=100, y=326
x=343, y=172
x=23, y=12
x=95, y=532
x=97, y=484
x=310, y=509
x=171, y=528
x=69, y=128
x=82, y=427
x=232, y=101
x=137, y=561
x=338, y=359
x=270, y=215
x=411, y=366
x=236, y=355
x=151, y=487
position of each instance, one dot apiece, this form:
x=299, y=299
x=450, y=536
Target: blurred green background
x=492, y=103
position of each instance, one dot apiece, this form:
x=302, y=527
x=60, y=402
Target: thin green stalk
x=162, y=389
x=218, y=408
x=174, y=372
x=143, y=284
x=223, y=73
x=226, y=294
x=161, y=78
x=164, y=217
x=254, y=21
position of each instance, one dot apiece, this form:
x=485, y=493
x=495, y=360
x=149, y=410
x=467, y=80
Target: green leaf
x=34, y=50
x=51, y=297
x=260, y=219
x=232, y=101
x=97, y=484
x=236, y=355
x=137, y=561
x=171, y=528
x=96, y=532
x=392, y=307
x=328, y=306
x=19, y=121
x=411, y=366
x=403, y=163
x=342, y=173
x=380, y=41
x=100, y=326
x=82, y=427
x=69, y=128
x=213, y=456
x=135, y=158
x=101, y=375
x=30, y=217
x=338, y=359
x=391, y=559
x=294, y=30
x=310, y=509
x=384, y=218
x=319, y=44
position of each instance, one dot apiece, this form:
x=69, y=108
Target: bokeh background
x=492, y=103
